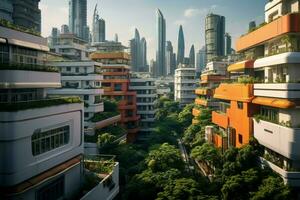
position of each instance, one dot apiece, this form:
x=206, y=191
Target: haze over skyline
x=123, y=17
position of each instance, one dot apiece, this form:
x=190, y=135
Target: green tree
x=185, y=116
x=207, y=152
x=105, y=138
x=180, y=189
x=272, y=188
x=164, y=158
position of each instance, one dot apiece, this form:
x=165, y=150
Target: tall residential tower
x=78, y=18
x=160, y=67
x=181, y=46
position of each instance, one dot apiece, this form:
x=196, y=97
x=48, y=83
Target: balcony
x=279, y=59
x=196, y=112
x=234, y=92
x=36, y=104
x=95, y=108
x=278, y=90
x=212, y=78
x=220, y=119
x=29, y=79
x=203, y=91
x=201, y=102
x=101, y=177
x=290, y=178
x=283, y=25
x=283, y=140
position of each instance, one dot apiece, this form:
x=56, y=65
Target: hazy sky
x=122, y=16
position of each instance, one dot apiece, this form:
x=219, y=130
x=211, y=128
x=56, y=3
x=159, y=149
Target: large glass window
x=52, y=191
x=42, y=142
x=270, y=114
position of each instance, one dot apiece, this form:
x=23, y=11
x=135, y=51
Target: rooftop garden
x=103, y=116
x=25, y=105
x=106, y=135
x=27, y=67
x=8, y=24
x=97, y=170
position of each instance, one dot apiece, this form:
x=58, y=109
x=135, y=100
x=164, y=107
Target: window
x=270, y=114
x=87, y=82
x=118, y=87
x=77, y=69
x=42, y=142
x=68, y=69
x=240, y=139
x=224, y=106
x=86, y=115
x=86, y=97
x=52, y=191
x=240, y=105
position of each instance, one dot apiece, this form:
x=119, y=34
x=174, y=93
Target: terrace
x=35, y=104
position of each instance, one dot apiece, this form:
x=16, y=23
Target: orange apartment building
x=115, y=70
x=212, y=76
x=269, y=107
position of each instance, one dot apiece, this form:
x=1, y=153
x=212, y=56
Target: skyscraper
x=227, y=44
x=192, y=56
x=214, y=36
x=161, y=46
x=64, y=29
x=201, y=60
x=170, y=59
x=78, y=18
x=181, y=46
x=252, y=25
x=135, y=51
x=98, y=32
x=144, y=63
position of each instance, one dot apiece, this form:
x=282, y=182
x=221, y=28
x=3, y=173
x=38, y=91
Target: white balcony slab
x=278, y=90
x=279, y=59
x=29, y=79
x=74, y=92
x=283, y=140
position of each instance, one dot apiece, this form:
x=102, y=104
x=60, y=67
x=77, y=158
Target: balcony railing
x=25, y=105
x=103, y=116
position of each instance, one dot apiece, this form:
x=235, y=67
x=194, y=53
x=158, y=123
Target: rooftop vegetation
x=8, y=24
x=103, y=116
x=18, y=106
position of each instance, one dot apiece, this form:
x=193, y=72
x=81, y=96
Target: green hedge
x=17, y=106
x=103, y=115
x=10, y=25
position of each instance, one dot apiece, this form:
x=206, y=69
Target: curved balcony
x=283, y=140
x=29, y=79
x=201, y=102
x=196, y=112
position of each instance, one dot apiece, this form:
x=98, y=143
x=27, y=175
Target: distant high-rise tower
x=25, y=13
x=78, y=18
x=98, y=29
x=170, y=59
x=181, y=46
x=214, y=36
x=160, y=67
x=192, y=57
x=144, y=63
x=252, y=25
x=64, y=29
x=135, y=51
x=201, y=60
x=116, y=38
x=228, y=49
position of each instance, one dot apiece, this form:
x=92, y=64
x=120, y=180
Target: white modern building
x=184, y=84
x=42, y=138
x=277, y=8
x=82, y=79
x=146, y=97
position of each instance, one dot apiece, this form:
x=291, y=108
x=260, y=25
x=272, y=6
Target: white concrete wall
x=16, y=131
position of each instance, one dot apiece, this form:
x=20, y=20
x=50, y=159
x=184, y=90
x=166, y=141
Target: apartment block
x=115, y=70
x=184, y=84
x=212, y=75
x=146, y=97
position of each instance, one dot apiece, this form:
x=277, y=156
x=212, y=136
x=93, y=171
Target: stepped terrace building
x=214, y=73
x=115, y=70
x=276, y=47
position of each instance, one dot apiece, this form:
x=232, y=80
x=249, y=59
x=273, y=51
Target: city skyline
x=190, y=13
